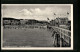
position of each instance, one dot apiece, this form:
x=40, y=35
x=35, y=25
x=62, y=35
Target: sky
x=36, y=11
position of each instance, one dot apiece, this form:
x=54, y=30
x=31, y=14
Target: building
x=62, y=21
x=23, y=21
x=11, y=21
x=32, y=21
x=59, y=21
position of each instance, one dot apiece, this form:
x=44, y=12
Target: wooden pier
x=62, y=37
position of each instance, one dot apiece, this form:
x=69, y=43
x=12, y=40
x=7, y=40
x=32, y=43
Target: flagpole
x=54, y=17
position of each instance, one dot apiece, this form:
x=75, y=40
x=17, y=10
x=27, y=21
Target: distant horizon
x=25, y=19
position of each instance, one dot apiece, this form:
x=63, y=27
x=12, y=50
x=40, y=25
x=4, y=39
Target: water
x=27, y=37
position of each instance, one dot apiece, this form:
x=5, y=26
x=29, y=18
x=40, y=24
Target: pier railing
x=65, y=35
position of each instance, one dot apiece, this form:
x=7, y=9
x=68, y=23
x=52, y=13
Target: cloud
x=38, y=13
x=25, y=12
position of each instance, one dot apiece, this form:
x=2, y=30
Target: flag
x=54, y=14
x=47, y=18
x=67, y=13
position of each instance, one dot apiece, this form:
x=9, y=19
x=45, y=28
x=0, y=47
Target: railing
x=64, y=34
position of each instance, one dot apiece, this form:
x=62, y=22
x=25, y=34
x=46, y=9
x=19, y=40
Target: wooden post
x=54, y=40
x=60, y=38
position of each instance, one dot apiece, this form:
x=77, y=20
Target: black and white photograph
x=37, y=26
